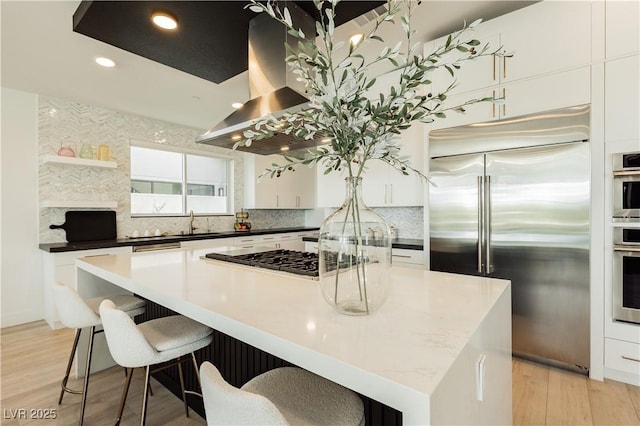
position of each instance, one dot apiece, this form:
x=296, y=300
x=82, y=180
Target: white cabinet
x=382, y=184
x=524, y=48
x=330, y=188
x=292, y=190
x=622, y=103
x=622, y=361
x=545, y=37
x=407, y=258
x=61, y=267
x=622, y=27
x=288, y=241
x=311, y=246
x=543, y=93
x=535, y=69
x=404, y=258
x=213, y=242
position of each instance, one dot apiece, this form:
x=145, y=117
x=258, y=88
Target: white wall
x=21, y=265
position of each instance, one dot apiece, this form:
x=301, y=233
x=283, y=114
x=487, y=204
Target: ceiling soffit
x=211, y=41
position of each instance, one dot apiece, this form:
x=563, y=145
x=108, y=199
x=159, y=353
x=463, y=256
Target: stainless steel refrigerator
x=511, y=199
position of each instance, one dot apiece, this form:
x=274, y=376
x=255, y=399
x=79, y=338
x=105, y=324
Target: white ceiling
x=41, y=54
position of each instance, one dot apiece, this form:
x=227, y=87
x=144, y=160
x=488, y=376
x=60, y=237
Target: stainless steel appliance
x=510, y=199
x=273, y=89
x=626, y=275
x=626, y=185
x=282, y=261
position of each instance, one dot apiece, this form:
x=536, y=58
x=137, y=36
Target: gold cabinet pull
x=494, y=104
x=505, y=55
x=494, y=66
x=628, y=358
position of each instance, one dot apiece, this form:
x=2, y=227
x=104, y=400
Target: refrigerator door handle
x=487, y=224
x=480, y=222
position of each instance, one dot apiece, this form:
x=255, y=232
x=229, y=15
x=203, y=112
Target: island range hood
x=273, y=88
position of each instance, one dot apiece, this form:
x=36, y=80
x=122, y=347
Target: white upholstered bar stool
x=74, y=312
x=283, y=396
x=151, y=343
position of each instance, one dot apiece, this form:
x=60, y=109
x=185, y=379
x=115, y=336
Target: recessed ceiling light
x=236, y=105
x=164, y=20
x=356, y=39
x=236, y=137
x=105, y=62
x=284, y=148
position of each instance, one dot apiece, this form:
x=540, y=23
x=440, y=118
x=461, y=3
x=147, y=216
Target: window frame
x=184, y=152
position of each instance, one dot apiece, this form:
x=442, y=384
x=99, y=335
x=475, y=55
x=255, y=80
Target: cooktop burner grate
x=296, y=262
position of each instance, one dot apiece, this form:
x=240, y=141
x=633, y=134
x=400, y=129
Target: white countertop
x=398, y=355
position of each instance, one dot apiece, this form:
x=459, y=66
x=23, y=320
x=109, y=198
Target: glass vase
x=355, y=255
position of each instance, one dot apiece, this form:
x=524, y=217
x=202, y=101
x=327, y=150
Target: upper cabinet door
x=622, y=28
x=297, y=189
x=266, y=191
x=546, y=37
x=330, y=187
x=540, y=39
x=474, y=74
x=622, y=108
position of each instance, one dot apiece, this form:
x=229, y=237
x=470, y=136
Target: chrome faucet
x=191, y=219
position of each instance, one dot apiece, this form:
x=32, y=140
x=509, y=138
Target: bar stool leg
x=65, y=379
x=143, y=416
x=184, y=395
x=195, y=367
x=125, y=391
x=87, y=370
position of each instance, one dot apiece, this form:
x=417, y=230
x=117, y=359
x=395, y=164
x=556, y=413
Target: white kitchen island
x=439, y=349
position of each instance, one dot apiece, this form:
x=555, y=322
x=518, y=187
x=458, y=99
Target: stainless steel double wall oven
x=626, y=239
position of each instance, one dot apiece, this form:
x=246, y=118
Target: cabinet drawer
x=622, y=361
x=311, y=247
x=69, y=258
x=404, y=256
x=245, y=241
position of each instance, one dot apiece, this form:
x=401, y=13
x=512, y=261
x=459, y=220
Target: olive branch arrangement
x=357, y=126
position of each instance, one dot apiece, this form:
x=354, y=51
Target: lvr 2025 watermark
x=29, y=413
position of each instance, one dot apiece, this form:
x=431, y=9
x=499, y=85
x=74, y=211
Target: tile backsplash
x=66, y=123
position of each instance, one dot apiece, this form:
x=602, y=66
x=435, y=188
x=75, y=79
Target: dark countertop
x=398, y=243
x=143, y=241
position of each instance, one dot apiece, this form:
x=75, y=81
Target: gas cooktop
x=291, y=261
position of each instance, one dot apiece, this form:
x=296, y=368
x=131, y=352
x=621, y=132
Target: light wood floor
x=546, y=395
x=33, y=358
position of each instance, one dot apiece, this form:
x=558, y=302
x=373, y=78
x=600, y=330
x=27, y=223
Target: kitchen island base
x=238, y=363
x=438, y=352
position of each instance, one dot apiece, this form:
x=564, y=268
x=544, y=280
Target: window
x=172, y=183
